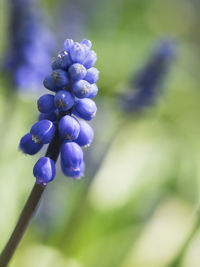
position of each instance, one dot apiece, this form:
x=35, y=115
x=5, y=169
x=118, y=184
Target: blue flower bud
x=73, y=173
x=92, y=75
x=60, y=78
x=48, y=83
x=90, y=59
x=87, y=43
x=49, y=116
x=44, y=170
x=85, y=109
x=28, y=146
x=69, y=127
x=71, y=155
x=62, y=61
x=77, y=71
x=77, y=53
x=43, y=131
x=46, y=103
x=81, y=89
x=93, y=90
x=64, y=100
x=86, y=134
x=68, y=45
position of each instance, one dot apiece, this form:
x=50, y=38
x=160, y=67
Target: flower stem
x=29, y=208
x=22, y=224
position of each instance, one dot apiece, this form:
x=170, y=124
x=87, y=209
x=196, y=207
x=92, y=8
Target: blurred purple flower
x=30, y=46
x=147, y=83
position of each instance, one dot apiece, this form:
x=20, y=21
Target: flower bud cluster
x=73, y=82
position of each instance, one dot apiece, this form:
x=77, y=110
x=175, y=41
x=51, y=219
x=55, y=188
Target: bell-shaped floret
x=69, y=127
x=73, y=173
x=71, y=155
x=85, y=109
x=92, y=75
x=81, y=89
x=43, y=131
x=46, y=103
x=64, y=100
x=77, y=71
x=44, y=170
x=28, y=146
x=86, y=134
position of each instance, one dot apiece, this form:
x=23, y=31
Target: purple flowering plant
x=72, y=81
x=147, y=83
x=30, y=47
x=62, y=124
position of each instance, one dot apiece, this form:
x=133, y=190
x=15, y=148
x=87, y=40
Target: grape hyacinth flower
x=148, y=82
x=60, y=127
x=30, y=47
x=73, y=84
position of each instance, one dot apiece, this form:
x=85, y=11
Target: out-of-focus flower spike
x=30, y=46
x=147, y=83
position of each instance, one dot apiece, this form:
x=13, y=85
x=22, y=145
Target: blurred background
x=138, y=204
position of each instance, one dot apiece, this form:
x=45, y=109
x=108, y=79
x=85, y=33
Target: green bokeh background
x=143, y=202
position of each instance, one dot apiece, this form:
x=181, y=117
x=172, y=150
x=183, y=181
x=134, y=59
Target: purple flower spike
x=28, y=52
x=146, y=85
x=73, y=83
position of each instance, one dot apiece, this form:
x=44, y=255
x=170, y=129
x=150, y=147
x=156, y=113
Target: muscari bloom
x=73, y=84
x=30, y=46
x=147, y=83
